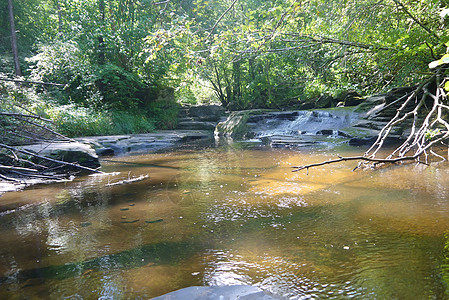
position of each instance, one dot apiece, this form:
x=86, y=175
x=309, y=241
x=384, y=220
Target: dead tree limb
x=18, y=164
x=428, y=128
x=60, y=162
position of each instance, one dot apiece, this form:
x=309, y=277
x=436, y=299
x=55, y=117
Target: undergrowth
x=74, y=120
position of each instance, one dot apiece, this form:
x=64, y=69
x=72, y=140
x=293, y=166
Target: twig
x=127, y=181
x=24, y=116
x=363, y=158
x=10, y=179
x=219, y=19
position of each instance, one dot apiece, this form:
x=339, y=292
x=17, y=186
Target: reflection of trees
x=445, y=264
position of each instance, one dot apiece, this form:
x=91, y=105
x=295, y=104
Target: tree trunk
x=101, y=47
x=15, y=52
x=236, y=91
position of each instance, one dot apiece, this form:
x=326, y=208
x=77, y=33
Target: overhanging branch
x=428, y=128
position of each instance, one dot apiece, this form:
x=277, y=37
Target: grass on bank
x=74, y=120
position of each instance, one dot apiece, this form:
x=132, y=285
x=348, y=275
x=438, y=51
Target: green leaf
x=442, y=61
x=446, y=86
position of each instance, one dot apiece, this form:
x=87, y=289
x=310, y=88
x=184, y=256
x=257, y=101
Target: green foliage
x=120, y=89
x=126, y=122
x=278, y=53
x=164, y=114
x=80, y=121
x=70, y=119
x=255, y=54
x=431, y=134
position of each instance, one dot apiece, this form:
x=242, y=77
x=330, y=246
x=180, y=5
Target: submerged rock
x=234, y=292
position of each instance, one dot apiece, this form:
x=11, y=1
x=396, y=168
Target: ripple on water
x=246, y=219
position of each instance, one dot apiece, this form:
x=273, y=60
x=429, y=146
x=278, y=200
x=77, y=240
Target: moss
x=235, y=126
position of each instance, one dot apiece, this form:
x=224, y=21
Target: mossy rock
x=235, y=126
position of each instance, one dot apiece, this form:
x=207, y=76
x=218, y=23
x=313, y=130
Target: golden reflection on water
x=226, y=216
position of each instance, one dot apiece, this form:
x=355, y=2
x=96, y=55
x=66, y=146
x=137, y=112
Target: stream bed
x=228, y=216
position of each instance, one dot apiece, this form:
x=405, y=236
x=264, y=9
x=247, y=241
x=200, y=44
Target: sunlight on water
x=229, y=216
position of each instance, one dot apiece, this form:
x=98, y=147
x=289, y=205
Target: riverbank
x=87, y=151
x=357, y=125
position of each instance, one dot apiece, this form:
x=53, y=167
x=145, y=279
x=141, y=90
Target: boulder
x=353, y=98
x=393, y=140
x=206, y=112
x=371, y=104
x=72, y=152
x=397, y=93
x=235, y=126
x=324, y=101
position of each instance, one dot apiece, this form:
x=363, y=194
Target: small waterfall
x=310, y=122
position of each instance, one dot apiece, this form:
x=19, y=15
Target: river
x=225, y=216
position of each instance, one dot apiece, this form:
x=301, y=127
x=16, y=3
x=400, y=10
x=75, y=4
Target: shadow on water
x=161, y=253
x=228, y=216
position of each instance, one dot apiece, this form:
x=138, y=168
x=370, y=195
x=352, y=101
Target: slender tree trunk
x=267, y=72
x=236, y=91
x=101, y=50
x=15, y=52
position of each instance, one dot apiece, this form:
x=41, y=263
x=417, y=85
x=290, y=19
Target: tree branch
x=405, y=10
x=432, y=129
x=219, y=19
x=60, y=162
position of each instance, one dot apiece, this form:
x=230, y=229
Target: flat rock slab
x=143, y=143
x=235, y=292
x=197, y=125
x=73, y=152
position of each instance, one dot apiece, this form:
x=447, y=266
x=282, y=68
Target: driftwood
x=128, y=181
x=20, y=165
x=428, y=128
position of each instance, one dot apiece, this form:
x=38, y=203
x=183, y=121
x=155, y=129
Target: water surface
x=226, y=216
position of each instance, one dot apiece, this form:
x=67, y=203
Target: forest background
x=125, y=66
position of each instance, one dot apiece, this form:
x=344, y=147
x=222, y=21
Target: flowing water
x=226, y=216
x=307, y=122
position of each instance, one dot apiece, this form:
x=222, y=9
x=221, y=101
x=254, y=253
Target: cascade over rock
x=357, y=122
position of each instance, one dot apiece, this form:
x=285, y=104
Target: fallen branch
x=10, y=114
x=129, y=180
x=363, y=158
x=59, y=162
x=428, y=128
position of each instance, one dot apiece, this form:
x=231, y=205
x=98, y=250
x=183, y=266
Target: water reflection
x=225, y=216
